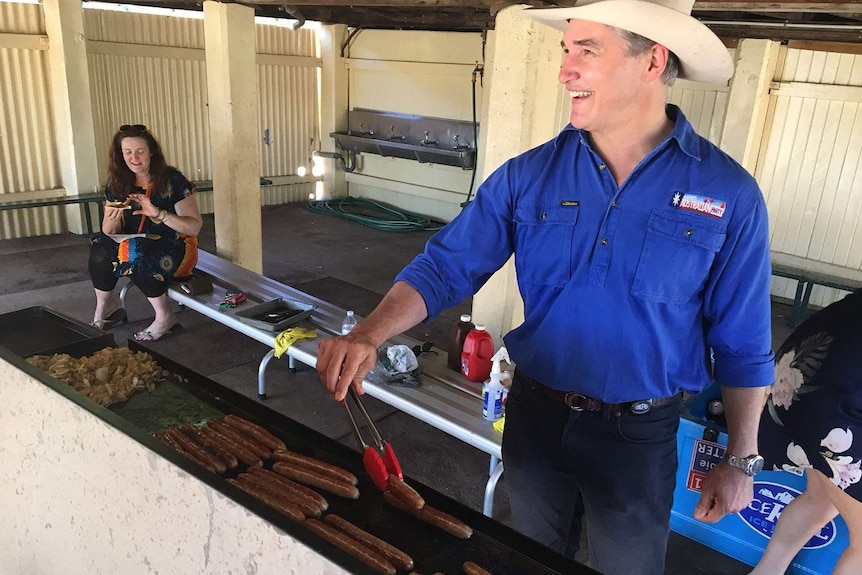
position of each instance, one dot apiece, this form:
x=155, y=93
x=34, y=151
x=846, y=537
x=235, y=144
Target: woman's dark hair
x=121, y=179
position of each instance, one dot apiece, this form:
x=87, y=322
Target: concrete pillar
x=519, y=111
x=70, y=95
x=748, y=100
x=333, y=103
x=234, y=132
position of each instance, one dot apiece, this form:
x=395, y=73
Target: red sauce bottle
x=476, y=357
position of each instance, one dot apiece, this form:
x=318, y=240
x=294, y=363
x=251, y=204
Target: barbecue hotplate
x=193, y=398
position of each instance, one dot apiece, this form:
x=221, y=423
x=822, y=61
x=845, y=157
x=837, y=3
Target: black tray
x=276, y=314
x=41, y=330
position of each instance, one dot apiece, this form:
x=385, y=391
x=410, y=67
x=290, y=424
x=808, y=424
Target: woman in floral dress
x=812, y=424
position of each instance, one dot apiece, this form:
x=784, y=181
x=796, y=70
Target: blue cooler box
x=743, y=536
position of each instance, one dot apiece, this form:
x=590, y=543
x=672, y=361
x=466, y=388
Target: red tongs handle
x=381, y=466
x=391, y=461
x=375, y=467
x=379, y=460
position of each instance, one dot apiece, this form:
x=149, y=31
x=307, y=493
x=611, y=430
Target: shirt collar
x=683, y=132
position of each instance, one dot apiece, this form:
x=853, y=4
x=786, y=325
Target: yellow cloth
x=498, y=425
x=290, y=336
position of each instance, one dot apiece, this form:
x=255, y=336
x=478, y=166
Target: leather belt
x=580, y=402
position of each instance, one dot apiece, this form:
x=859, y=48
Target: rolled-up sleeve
x=460, y=258
x=737, y=309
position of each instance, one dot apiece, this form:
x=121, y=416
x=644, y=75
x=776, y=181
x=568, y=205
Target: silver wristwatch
x=751, y=465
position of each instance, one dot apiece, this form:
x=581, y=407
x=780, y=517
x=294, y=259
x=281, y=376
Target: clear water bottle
x=349, y=323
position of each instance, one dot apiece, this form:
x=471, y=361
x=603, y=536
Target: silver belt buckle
x=641, y=407
x=573, y=400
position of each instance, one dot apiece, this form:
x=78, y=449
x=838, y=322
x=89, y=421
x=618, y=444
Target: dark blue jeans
x=618, y=470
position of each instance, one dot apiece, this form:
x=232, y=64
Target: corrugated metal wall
x=809, y=163
x=160, y=64
x=28, y=153
x=147, y=69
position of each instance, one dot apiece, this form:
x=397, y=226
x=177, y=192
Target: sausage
x=163, y=436
x=190, y=446
x=241, y=453
x=307, y=507
x=292, y=486
x=322, y=482
x=471, y=568
x=258, y=449
x=351, y=546
x=255, y=431
x=317, y=466
x=433, y=516
x=400, y=559
x=275, y=502
x=404, y=492
x=212, y=445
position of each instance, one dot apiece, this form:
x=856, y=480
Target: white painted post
x=234, y=132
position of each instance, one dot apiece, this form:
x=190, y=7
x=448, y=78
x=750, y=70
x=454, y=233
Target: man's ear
x=659, y=56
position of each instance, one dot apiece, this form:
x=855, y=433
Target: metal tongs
x=379, y=459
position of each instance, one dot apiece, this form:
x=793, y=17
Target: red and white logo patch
x=697, y=203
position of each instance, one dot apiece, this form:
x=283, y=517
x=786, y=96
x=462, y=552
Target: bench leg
x=800, y=304
x=123, y=292
x=291, y=364
x=89, y=219
x=261, y=375
x=495, y=472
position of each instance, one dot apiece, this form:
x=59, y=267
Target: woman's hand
x=112, y=220
x=146, y=206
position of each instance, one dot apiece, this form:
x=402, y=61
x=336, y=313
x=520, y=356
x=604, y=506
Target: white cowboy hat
x=702, y=55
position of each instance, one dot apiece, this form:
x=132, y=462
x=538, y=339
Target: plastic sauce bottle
x=493, y=390
x=476, y=357
x=348, y=324
x=456, y=341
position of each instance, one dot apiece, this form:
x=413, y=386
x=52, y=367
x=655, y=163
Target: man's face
x=603, y=82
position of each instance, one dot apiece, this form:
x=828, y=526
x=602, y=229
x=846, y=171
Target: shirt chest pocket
x=544, y=236
x=676, y=258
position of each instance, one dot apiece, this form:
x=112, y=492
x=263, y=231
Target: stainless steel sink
x=421, y=138
x=463, y=157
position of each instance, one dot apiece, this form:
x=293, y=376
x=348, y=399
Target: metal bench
x=97, y=199
x=809, y=273
x=445, y=400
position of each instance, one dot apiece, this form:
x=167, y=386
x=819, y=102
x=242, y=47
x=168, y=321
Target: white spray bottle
x=492, y=390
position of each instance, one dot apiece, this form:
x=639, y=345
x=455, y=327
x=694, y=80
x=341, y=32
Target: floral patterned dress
x=813, y=417
x=163, y=253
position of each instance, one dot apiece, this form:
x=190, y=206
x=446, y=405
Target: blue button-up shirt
x=626, y=289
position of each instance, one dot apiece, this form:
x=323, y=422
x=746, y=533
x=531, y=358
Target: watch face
x=755, y=464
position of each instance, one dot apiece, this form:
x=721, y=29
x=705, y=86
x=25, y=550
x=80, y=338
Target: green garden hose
x=373, y=214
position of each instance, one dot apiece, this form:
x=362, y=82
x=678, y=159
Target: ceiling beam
x=483, y=4
x=782, y=6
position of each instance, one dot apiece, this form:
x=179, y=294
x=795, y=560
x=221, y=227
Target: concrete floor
x=340, y=262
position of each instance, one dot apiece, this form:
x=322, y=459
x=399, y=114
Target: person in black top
x=149, y=230
x=812, y=419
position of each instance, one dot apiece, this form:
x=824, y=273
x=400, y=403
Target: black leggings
x=101, y=266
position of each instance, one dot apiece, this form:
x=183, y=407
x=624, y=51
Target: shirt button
x=602, y=166
x=689, y=233
x=604, y=241
x=544, y=216
x=614, y=204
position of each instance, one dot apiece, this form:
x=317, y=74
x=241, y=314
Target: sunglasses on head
x=133, y=128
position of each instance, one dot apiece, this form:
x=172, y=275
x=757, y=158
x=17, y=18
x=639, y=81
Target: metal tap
x=363, y=132
x=392, y=135
x=427, y=141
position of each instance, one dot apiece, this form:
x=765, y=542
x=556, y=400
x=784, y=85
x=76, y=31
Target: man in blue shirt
x=641, y=251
